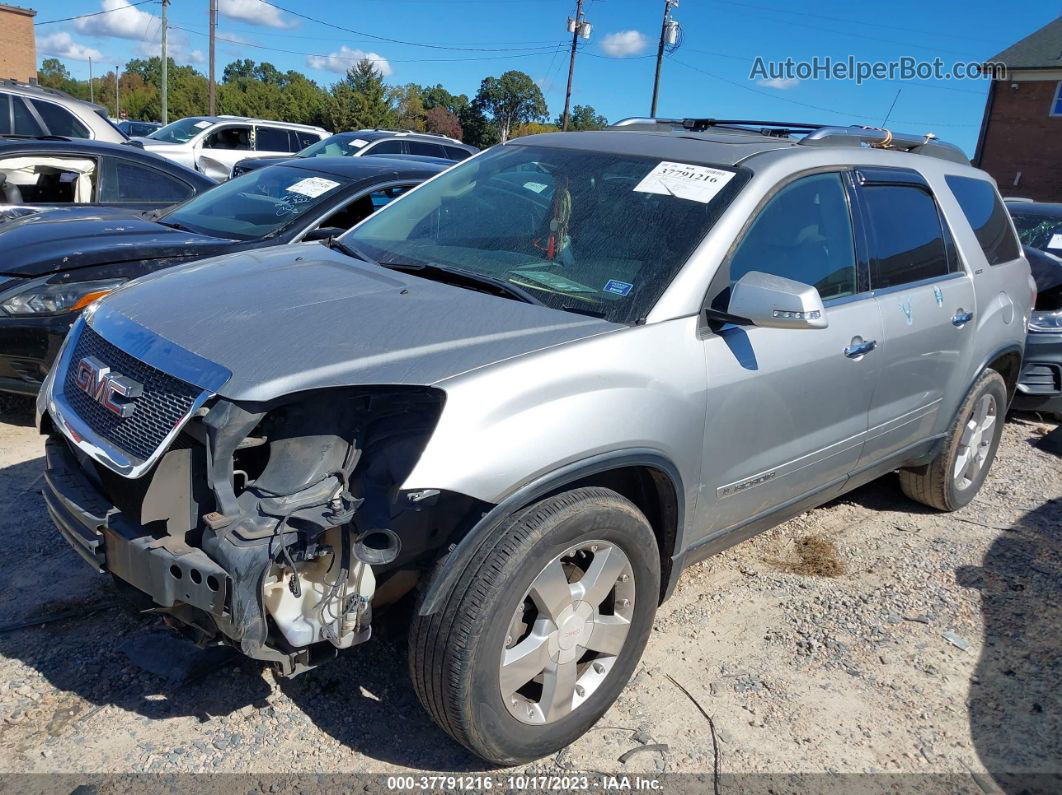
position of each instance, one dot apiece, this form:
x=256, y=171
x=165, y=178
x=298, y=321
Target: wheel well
x=1008, y=365
x=654, y=494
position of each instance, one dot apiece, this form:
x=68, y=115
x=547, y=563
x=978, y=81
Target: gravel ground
x=868, y=635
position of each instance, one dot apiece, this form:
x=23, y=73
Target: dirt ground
x=869, y=635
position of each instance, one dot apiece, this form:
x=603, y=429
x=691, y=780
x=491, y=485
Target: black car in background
x=373, y=143
x=1039, y=226
x=138, y=128
x=59, y=261
x=37, y=173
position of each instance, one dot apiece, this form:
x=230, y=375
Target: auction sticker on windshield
x=313, y=186
x=357, y=143
x=696, y=183
x=1056, y=241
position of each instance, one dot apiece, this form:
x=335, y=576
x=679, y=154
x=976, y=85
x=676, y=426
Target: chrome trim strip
x=888, y=426
x=147, y=346
x=793, y=465
x=920, y=283
x=182, y=364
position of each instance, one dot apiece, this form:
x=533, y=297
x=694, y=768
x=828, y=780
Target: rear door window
x=238, y=138
x=60, y=121
x=306, y=139
x=987, y=216
x=387, y=148
x=131, y=182
x=272, y=139
x=22, y=120
x=425, y=148
x=906, y=235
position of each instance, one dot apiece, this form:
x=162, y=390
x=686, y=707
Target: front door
x=926, y=300
x=222, y=148
x=787, y=408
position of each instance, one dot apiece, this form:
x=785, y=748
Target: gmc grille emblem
x=107, y=388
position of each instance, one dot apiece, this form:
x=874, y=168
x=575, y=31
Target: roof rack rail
x=813, y=134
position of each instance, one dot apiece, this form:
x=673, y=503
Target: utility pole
x=92, y=94
x=116, y=108
x=577, y=27
x=668, y=35
x=165, y=67
x=212, y=103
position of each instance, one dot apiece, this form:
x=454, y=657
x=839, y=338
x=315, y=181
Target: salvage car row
x=527, y=393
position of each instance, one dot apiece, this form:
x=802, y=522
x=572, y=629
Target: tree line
x=504, y=107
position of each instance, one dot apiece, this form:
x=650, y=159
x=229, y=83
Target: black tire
x=454, y=654
x=934, y=484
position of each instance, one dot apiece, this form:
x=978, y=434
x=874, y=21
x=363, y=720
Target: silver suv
x=33, y=111
x=532, y=391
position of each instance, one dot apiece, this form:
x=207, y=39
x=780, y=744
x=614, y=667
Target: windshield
x=181, y=131
x=1039, y=231
x=256, y=204
x=595, y=233
x=334, y=146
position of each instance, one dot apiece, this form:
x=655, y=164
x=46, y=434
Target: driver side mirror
x=776, y=302
x=323, y=233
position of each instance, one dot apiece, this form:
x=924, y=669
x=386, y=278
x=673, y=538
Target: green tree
x=410, y=113
x=511, y=100
x=584, y=117
x=476, y=128
x=238, y=70
x=361, y=100
x=54, y=74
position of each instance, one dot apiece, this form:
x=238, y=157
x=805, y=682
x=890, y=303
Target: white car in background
x=213, y=144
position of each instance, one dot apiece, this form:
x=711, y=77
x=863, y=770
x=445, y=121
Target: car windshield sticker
x=357, y=143
x=552, y=281
x=202, y=125
x=696, y=183
x=1056, y=241
x=537, y=187
x=313, y=186
x=618, y=287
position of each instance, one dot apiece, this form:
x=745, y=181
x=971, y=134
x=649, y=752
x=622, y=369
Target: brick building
x=18, y=47
x=1021, y=134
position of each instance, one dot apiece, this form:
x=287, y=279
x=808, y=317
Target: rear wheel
x=955, y=476
x=544, y=628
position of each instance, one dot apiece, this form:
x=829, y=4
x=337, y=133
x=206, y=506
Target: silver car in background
x=213, y=144
x=33, y=111
x=534, y=389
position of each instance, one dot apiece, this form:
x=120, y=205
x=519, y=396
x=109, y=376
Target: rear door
x=125, y=183
x=926, y=300
x=274, y=141
x=787, y=408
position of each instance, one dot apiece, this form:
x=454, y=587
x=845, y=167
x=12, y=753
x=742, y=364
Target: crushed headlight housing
x=38, y=297
x=1046, y=321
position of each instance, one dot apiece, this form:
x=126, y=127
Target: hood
x=299, y=317
x=64, y=239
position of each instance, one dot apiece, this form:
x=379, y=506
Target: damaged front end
x=276, y=527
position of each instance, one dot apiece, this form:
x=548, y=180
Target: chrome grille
x=162, y=406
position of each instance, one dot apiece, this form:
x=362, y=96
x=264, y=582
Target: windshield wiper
x=458, y=275
x=336, y=244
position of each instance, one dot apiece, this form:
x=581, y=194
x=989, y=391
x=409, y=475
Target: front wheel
x=955, y=476
x=544, y=628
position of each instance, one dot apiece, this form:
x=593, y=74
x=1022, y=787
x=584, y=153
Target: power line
x=93, y=14
x=809, y=105
x=337, y=57
x=387, y=38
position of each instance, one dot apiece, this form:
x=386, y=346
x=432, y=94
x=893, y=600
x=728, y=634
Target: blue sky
x=707, y=76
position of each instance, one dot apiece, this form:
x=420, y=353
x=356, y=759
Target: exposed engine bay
x=278, y=528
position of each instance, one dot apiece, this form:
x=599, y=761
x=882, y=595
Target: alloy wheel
x=567, y=632
x=975, y=442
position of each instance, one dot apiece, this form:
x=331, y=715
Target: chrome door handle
x=961, y=318
x=857, y=349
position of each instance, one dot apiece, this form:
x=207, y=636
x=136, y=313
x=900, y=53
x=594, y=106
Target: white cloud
x=255, y=12
x=62, y=45
x=781, y=83
x=178, y=50
x=122, y=20
x=624, y=44
x=346, y=57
